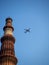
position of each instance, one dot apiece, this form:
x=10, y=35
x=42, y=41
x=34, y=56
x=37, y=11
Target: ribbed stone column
x=7, y=53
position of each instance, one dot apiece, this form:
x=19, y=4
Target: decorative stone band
x=8, y=58
x=8, y=27
x=8, y=52
x=7, y=37
x=3, y=49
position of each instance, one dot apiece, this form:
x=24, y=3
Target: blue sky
x=31, y=48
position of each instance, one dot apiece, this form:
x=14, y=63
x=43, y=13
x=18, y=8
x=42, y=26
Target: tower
x=7, y=53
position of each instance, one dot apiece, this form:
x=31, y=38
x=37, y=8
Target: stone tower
x=7, y=53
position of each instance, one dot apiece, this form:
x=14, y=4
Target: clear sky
x=30, y=48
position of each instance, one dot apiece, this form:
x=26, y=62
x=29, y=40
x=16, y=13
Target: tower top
x=8, y=19
x=8, y=28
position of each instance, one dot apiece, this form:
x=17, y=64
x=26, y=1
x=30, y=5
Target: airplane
x=27, y=30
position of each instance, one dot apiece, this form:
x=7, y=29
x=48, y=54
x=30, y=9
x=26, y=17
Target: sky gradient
x=30, y=48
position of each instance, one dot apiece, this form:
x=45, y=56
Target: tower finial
x=9, y=19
